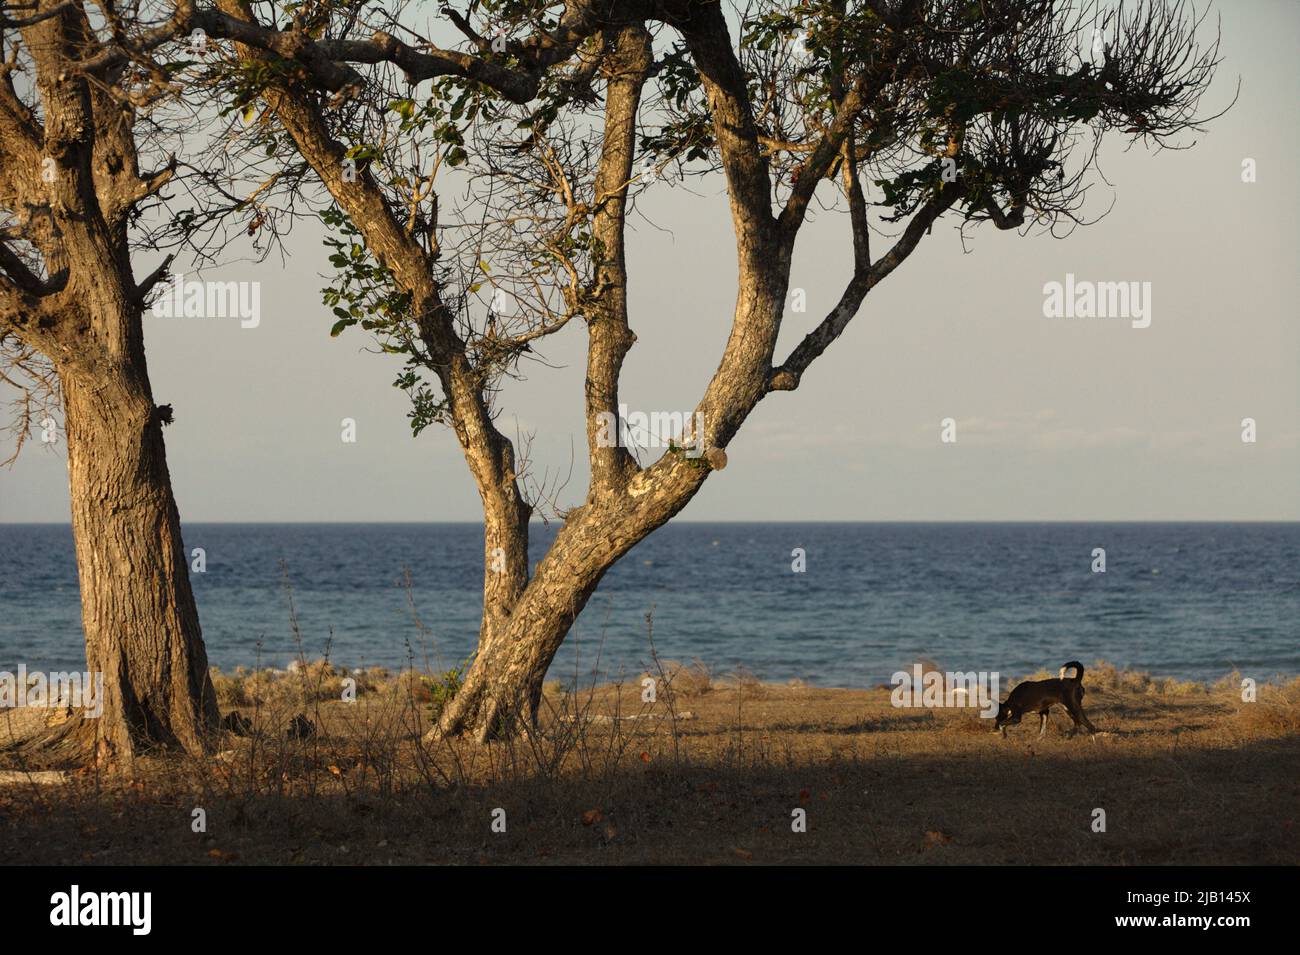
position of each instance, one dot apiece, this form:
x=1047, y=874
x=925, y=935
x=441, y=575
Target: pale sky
x=1056, y=419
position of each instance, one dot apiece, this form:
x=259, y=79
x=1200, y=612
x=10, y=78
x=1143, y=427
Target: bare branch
x=788, y=375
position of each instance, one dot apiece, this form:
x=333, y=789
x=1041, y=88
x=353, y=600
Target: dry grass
x=708, y=773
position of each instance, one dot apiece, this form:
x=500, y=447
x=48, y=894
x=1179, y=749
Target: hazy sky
x=1056, y=419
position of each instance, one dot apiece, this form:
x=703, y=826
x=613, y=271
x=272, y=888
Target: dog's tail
x=1077, y=666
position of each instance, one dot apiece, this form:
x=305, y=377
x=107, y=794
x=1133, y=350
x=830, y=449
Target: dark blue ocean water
x=1184, y=600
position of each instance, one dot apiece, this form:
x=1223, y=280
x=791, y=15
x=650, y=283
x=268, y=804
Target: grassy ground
x=710, y=773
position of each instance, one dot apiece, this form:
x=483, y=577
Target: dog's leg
x=1076, y=714
x=1042, y=724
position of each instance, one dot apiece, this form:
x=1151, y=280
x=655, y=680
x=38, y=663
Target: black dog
x=1039, y=696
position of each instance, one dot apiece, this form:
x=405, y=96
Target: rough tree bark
x=67, y=290
x=138, y=611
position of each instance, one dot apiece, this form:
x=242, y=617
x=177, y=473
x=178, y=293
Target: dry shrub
x=318, y=681
x=409, y=685
x=1275, y=712
x=1106, y=677
x=1269, y=719
x=693, y=679
x=742, y=678
x=229, y=687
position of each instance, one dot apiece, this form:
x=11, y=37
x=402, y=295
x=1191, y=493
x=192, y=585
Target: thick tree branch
x=609, y=334
x=16, y=270
x=35, y=18
x=327, y=61
x=143, y=289
x=489, y=455
x=748, y=178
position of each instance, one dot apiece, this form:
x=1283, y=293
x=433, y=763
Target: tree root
x=69, y=744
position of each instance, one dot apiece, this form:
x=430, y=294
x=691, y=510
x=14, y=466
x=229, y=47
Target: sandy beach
x=716, y=770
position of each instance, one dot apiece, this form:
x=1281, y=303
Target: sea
x=831, y=604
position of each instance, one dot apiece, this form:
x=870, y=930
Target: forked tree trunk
x=502, y=691
x=141, y=624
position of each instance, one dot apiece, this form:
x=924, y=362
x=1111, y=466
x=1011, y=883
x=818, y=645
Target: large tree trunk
x=503, y=688
x=141, y=624
x=502, y=691
x=76, y=183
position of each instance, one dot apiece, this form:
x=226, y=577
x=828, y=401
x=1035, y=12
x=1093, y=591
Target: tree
x=74, y=109
x=982, y=112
